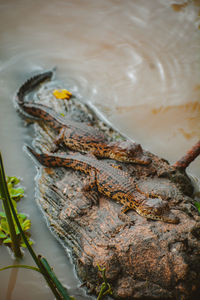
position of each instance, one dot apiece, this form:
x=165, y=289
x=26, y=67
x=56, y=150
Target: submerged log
x=144, y=259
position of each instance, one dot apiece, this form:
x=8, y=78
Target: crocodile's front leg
x=125, y=208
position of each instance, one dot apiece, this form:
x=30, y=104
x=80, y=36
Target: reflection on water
x=136, y=61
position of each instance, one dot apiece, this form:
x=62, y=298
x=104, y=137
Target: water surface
x=137, y=62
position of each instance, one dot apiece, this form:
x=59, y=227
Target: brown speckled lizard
x=112, y=182
x=76, y=135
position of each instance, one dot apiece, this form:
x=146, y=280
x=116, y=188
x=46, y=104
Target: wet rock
x=144, y=259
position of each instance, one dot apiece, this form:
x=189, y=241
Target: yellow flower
x=62, y=94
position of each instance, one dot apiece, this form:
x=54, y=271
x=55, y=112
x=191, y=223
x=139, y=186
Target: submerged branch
x=184, y=162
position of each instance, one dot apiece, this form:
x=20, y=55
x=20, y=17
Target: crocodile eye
x=129, y=146
x=135, y=148
x=156, y=205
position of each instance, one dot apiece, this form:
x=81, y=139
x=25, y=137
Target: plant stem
x=6, y=200
x=62, y=290
x=9, y=206
x=43, y=267
x=105, y=287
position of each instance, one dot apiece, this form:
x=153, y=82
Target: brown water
x=137, y=62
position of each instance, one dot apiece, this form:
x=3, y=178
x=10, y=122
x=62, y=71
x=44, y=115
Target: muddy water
x=137, y=62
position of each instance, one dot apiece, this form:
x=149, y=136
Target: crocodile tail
x=33, y=110
x=73, y=161
x=48, y=160
x=31, y=84
x=52, y=160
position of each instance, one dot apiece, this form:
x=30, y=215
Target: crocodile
x=77, y=136
x=111, y=182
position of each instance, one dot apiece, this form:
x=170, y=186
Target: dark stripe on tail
x=55, y=160
x=31, y=84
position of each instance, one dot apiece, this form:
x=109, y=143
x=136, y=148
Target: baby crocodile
x=76, y=135
x=112, y=182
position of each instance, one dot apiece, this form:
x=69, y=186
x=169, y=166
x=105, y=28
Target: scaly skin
x=112, y=182
x=78, y=136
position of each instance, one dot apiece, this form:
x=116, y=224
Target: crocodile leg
x=125, y=208
x=59, y=140
x=91, y=182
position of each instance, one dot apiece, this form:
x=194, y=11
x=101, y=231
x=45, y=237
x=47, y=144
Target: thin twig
x=105, y=287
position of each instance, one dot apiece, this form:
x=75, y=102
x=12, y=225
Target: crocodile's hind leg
x=88, y=188
x=91, y=182
x=125, y=208
x=66, y=138
x=59, y=140
x=127, y=220
x=70, y=139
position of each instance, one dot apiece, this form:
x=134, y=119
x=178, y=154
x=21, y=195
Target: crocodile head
x=156, y=209
x=127, y=151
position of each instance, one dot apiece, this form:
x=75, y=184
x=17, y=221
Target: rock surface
x=144, y=259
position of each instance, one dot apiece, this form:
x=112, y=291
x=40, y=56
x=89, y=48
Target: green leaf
x=7, y=241
x=4, y=225
x=2, y=214
x=2, y=235
x=24, y=245
x=13, y=180
x=17, y=230
x=20, y=266
x=7, y=204
x=15, y=193
x=26, y=225
x=22, y=216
